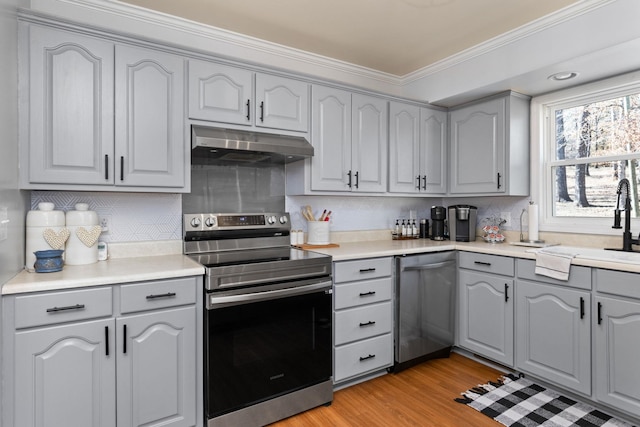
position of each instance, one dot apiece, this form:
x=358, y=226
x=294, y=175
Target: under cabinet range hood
x=217, y=144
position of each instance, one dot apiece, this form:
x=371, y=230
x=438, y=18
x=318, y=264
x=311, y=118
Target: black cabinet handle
x=121, y=168
x=357, y=179
x=349, y=175
x=424, y=182
x=418, y=182
x=369, y=323
x=367, y=270
x=106, y=167
x=106, y=340
x=581, y=308
x=366, y=294
x=67, y=308
x=506, y=292
x=482, y=263
x=499, y=176
x=167, y=295
x=371, y=356
x=124, y=339
x=262, y=111
x=599, y=313
x=248, y=109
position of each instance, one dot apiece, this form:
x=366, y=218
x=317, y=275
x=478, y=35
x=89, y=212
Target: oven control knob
x=210, y=222
x=195, y=222
x=271, y=219
x=283, y=219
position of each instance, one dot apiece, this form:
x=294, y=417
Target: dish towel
x=554, y=265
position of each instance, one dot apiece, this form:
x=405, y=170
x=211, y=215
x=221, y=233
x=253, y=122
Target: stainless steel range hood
x=217, y=144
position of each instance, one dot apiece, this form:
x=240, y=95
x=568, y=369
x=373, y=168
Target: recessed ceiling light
x=564, y=75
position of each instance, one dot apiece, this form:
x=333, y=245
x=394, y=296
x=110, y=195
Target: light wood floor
x=419, y=396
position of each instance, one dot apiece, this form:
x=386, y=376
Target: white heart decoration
x=56, y=240
x=89, y=237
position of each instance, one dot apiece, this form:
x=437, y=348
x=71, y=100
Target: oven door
x=263, y=345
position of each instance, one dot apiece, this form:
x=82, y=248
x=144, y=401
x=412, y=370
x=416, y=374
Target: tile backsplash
x=130, y=216
x=158, y=216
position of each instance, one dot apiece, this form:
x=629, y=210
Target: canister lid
x=82, y=216
x=45, y=216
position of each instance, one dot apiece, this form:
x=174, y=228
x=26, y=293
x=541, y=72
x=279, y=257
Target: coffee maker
x=462, y=223
x=438, y=217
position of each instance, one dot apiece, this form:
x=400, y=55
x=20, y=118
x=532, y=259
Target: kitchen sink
x=610, y=255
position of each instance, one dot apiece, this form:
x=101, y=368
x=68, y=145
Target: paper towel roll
x=533, y=222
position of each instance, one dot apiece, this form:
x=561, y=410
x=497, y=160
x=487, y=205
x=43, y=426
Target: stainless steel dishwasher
x=425, y=307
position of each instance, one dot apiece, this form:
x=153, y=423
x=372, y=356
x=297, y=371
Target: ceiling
x=392, y=36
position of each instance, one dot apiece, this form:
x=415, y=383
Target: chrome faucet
x=627, y=240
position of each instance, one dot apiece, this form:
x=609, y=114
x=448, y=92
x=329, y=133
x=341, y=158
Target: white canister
x=82, y=246
x=45, y=230
x=318, y=233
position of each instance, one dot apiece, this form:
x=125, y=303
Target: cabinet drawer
x=158, y=294
x=58, y=307
x=362, y=322
x=363, y=356
x=361, y=293
x=579, y=277
x=489, y=263
x=618, y=282
x=362, y=269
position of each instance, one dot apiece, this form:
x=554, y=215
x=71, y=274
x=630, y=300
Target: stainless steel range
x=267, y=322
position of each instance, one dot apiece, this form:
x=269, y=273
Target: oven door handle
x=220, y=301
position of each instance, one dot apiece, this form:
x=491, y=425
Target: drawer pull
x=369, y=323
x=367, y=270
x=167, y=295
x=482, y=263
x=67, y=308
x=371, y=356
x=366, y=294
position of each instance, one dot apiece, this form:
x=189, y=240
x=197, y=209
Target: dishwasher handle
x=428, y=266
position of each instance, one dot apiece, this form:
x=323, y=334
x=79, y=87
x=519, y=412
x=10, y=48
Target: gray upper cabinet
x=70, y=109
x=149, y=118
x=101, y=116
x=417, y=149
x=349, y=135
x=237, y=96
x=490, y=146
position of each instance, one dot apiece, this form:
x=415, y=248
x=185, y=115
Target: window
x=586, y=139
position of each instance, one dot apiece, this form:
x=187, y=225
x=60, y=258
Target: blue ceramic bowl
x=48, y=261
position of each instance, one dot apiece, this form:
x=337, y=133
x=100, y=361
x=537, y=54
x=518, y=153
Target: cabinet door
x=486, y=315
x=150, y=146
x=404, y=148
x=433, y=151
x=478, y=148
x=65, y=376
x=157, y=369
x=331, y=139
x=220, y=93
x=551, y=317
x=617, y=352
x=70, y=108
x=282, y=103
x=369, y=143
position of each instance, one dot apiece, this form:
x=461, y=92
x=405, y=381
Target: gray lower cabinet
x=485, y=292
x=363, y=317
x=553, y=327
x=123, y=355
x=617, y=340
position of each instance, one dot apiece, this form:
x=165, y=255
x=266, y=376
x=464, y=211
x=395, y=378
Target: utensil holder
x=318, y=233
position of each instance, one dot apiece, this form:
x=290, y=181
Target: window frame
x=543, y=150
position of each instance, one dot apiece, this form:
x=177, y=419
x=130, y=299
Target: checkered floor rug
x=517, y=402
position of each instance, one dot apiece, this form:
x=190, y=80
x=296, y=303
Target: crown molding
x=534, y=27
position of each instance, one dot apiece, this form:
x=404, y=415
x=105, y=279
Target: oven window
x=264, y=349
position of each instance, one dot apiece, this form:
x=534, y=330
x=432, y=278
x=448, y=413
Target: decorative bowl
x=48, y=261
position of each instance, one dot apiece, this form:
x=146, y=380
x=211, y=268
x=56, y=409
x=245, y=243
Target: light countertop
x=113, y=271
